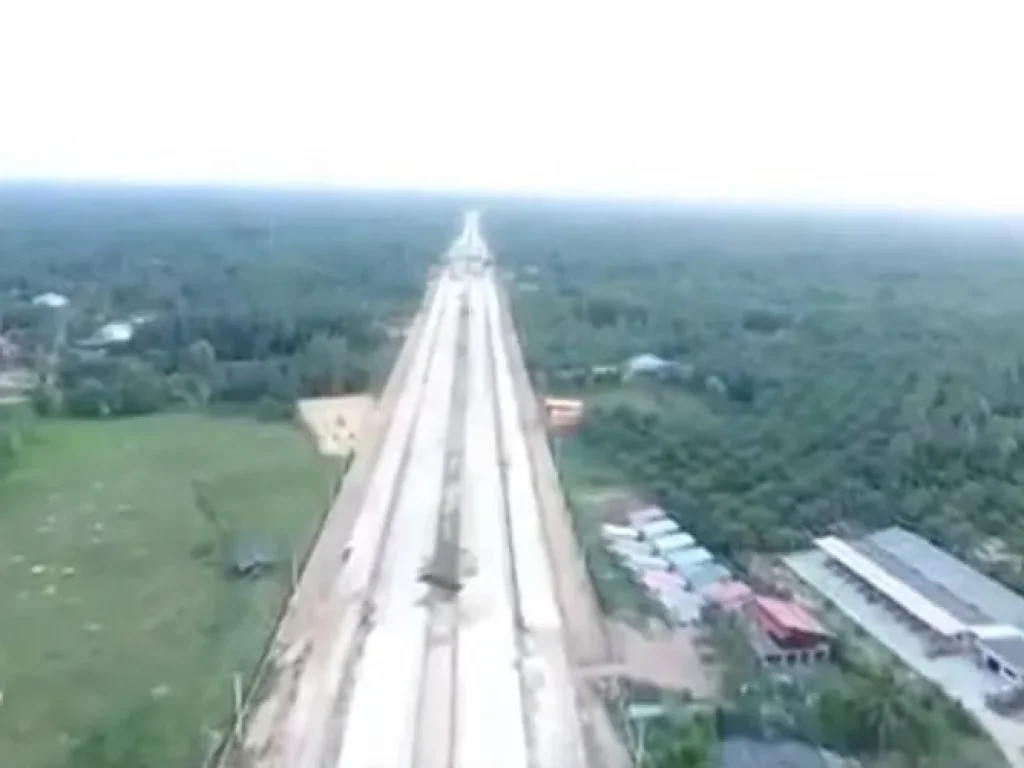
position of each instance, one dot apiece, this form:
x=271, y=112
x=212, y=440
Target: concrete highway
x=436, y=637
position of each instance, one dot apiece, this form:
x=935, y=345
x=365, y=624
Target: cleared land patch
x=120, y=630
x=651, y=652
x=336, y=422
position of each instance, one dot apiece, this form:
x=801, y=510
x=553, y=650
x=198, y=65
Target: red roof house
x=788, y=624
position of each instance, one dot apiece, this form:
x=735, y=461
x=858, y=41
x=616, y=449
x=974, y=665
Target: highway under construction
x=444, y=615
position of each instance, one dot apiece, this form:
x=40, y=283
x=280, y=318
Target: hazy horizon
x=875, y=107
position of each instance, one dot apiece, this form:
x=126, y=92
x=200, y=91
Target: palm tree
x=881, y=706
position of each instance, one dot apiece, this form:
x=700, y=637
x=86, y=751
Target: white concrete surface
x=381, y=725
x=958, y=676
x=490, y=724
x=552, y=715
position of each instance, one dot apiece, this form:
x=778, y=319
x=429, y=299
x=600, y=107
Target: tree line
x=241, y=298
x=833, y=373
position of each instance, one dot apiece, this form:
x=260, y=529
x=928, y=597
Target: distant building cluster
x=689, y=584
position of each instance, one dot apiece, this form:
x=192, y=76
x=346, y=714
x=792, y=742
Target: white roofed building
x=673, y=542
x=659, y=528
x=51, y=300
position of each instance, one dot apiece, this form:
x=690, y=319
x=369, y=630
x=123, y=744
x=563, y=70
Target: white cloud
x=899, y=102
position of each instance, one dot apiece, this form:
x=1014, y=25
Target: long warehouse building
x=954, y=607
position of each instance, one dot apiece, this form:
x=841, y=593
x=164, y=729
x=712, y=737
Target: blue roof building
x=690, y=559
x=706, y=575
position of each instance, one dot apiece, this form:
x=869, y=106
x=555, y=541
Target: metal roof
x=643, y=562
x=727, y=591
x=646, y=362
x=1009, y=649
x=645, y=711
x=50, y=299
x=986, y=596
x=924, y=585
x=706, y=575
x=934, y=616
x=554, y=402
x=659, y=528
x=673, y=542
x=996, y=631
x=688, y=557
x=623, y=532
x=662, y=581
x=790, y=615
x=693, y=570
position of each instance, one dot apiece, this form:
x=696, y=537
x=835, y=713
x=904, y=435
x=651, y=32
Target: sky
x=896, y=103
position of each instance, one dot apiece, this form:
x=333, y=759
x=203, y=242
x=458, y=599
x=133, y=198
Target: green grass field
x=119, y=632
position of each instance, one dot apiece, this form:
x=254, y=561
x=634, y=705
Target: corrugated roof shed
x=686, y=558
x=626, y=532
x=727, y=592
x=659, y=528
x=50, y=299
x=909, y=599
x=996, y=631
x=1011, y=649
x=988, y=596
x=646, y=363
x=922, y=583
x=709, y=574
x=638, y=563
x=673, y=542
x=565, y=403
x=691, y=571
x=662, y=581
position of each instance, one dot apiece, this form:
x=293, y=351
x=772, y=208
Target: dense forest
x=186, y=298
x=827, y=372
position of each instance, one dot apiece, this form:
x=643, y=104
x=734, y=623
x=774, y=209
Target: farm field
x=121, y=629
